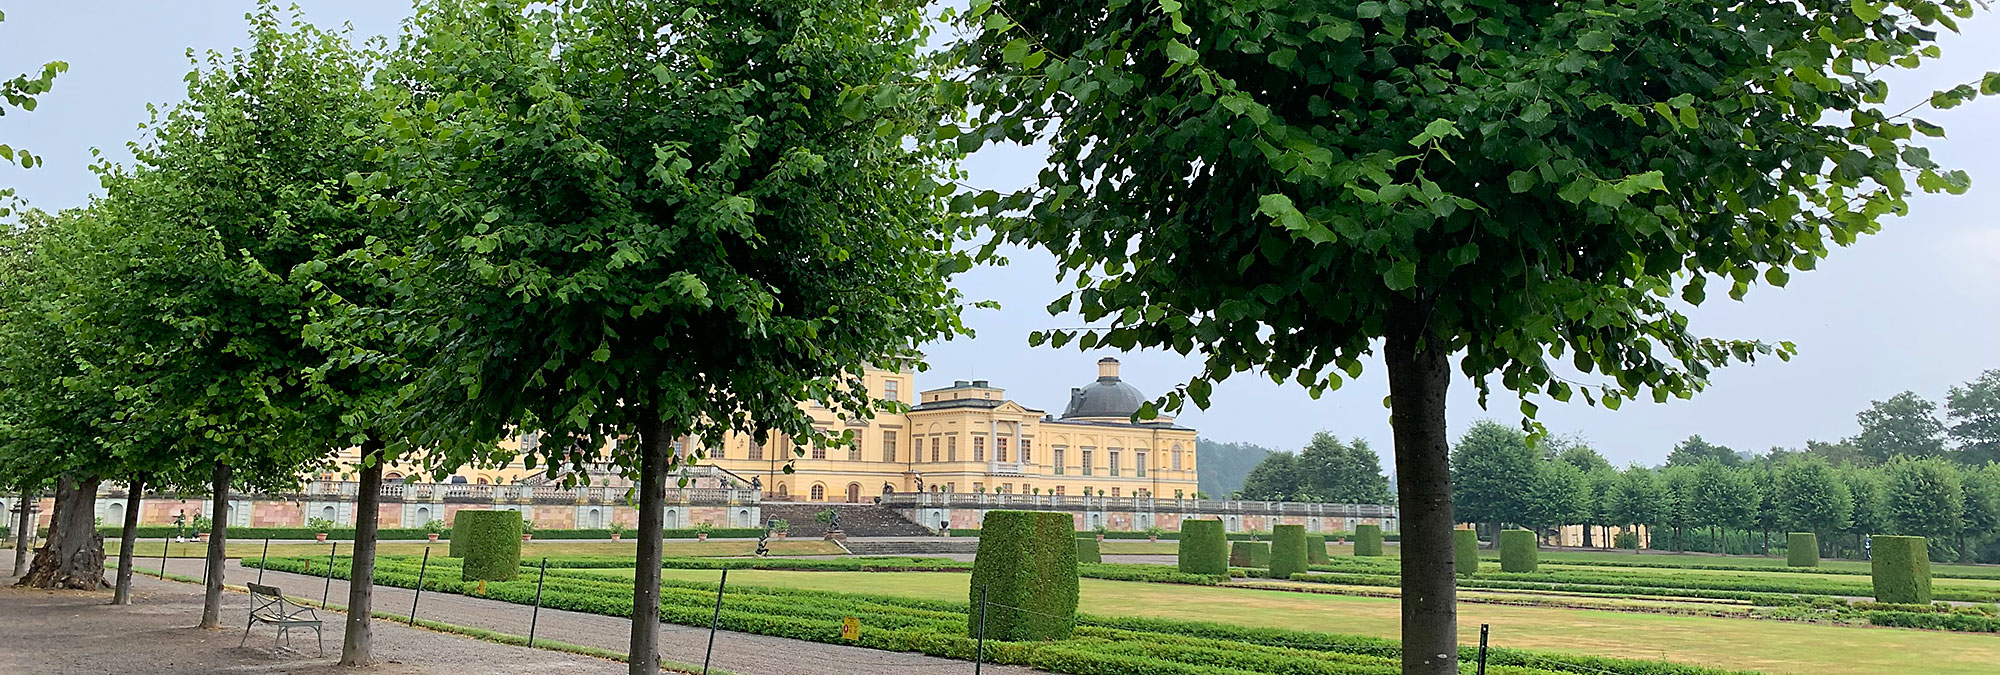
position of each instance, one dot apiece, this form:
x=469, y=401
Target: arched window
x=326, y=512
x=818, y=492
x=594, y=519
x=423, y=515
x=784, y=492
x=392, y=476
x=482, y=481
x=854, y=493
x=115, y=513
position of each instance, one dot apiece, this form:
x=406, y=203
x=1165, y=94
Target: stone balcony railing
x=331, y=490
x=960, y=500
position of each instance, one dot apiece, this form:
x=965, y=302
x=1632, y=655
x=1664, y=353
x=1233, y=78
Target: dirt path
x=744, y=653
x=74, y=633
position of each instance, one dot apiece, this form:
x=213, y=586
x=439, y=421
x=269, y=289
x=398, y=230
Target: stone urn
x=201, y=536
x=317, y=536
x=432, y=536
x=615, y=536
x=527, y=537
x=701, y=536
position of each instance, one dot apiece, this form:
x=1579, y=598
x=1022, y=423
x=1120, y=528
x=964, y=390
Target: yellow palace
x=968, y=437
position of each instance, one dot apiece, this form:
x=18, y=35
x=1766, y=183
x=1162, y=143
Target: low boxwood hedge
x=1203, y=549
x=1368, y=540
x=1902, y=569
x=1026, y=573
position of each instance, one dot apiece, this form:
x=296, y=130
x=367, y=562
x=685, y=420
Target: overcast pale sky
x=1916, y=307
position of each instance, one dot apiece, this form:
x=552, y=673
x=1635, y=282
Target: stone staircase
x=857, y=520
x=918, y=547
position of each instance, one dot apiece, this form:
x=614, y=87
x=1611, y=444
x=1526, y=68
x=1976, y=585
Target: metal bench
x=269, y=606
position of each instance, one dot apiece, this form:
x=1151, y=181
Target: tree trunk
x=1419, y=368
x=24, y=530
x=358, y=647
x=644, y=656
x=218, y=545
x=128, y=539
x=1586, y=537
x=1493, y=528
x=73, y=555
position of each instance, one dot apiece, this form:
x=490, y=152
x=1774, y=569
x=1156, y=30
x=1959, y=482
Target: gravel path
x=76, y=633
x=744, y=653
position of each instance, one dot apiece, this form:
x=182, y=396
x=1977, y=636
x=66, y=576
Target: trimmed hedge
x=1368, y=540
x=1026, y=570
x=1288, y=550
x=1902, y=569
x=492, y=544
x=1250, y=554
x=457, y=537
x=1465, y=551
x=1087, y=551
x=1315, y=549
x=1517, y=551
x=1801, y=549
x=1204, y=548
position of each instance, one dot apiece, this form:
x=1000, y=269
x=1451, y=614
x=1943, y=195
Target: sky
x=1916, y=307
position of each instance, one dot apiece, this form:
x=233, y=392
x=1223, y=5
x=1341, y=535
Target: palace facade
x=964, y=438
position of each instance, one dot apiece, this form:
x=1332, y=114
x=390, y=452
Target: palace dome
x=1107, y=397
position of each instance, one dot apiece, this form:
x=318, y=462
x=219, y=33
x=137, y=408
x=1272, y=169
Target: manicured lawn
x=1678, y=572
x=1126, y=547
x=1771, y=646
x=1696, y=560
x=529, y=551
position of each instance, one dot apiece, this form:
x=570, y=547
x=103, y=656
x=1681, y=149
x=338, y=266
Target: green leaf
x=1866, y=11
x=1180, y=53
x=1401, y=276
x=1368, y=10
x=1522, y=181
x=1596, y=41
x=1535, y=112
x=1016, y=51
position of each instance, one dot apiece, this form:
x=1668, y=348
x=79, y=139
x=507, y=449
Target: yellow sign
x=850, y=628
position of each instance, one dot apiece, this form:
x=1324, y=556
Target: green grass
x=1771, y=646
x=529, y=551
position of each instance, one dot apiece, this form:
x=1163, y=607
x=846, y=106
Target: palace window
x=1139, y=463
x=1114, y=462
x=854, y=449
x=890, y=391
x=1177, y=461
x=979, y=448
x=819, y=452
x=1114, y=492
x=756, y=449
x=978, y=488
x=1006, y=488
x=889, y=445
x=1000, y=449
x=1059, y=490
x=1027, y=451
x=1059, y=463
x=951, y=449
x=818, y=492
x=1086, y=461
x=936, y=453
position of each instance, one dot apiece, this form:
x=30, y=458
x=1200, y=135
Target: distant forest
x=1222, y=467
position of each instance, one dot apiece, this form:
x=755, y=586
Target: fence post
x=979, y=657
x=714, y=621
x=1482, y=648
x=329, y=574
x=420, y=585
x=261, y=559
x=163, y=557
x=536, y=618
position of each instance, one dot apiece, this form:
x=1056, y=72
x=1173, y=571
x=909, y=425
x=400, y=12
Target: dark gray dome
x=1107, y=397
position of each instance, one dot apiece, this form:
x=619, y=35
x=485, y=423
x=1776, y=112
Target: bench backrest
x=260, y=589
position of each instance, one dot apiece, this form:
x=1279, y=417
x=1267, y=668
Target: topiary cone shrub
x=1801, y=549
x=457, y=538
x=1288, y=551
x=1901, y=567
x=492, y=544
x=1250, y=554
x=1088, y=551
x=1315, y=549
x=1517, y=551
x=1027, y=567
x=1368, y=540
x=1204, y=548
x=1465, y=551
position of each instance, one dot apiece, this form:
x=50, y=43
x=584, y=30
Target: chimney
x=982, y=384
x=1107, y=367
x=961, y=383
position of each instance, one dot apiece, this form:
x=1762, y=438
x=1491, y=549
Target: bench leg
x=321, y=639
x=246, y=633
